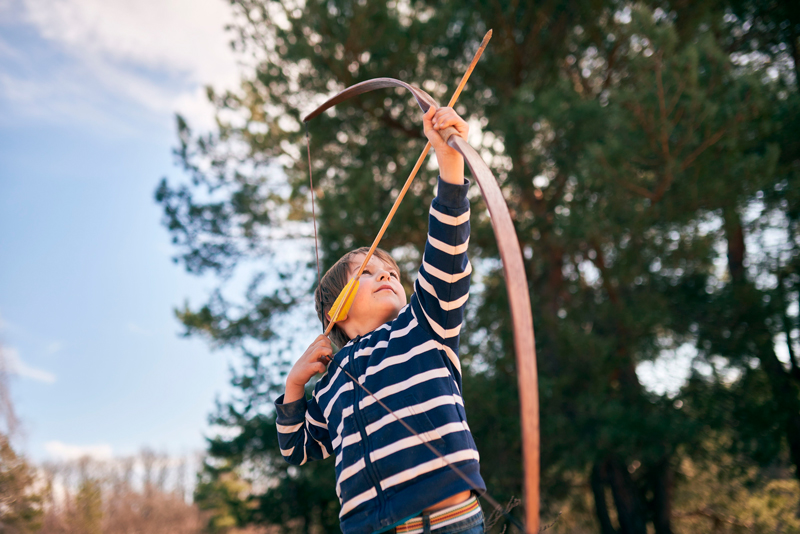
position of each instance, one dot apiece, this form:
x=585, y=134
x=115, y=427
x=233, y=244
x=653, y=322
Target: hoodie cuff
x=451, y=195
x=292, y=413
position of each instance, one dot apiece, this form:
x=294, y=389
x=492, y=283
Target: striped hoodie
x=384, y=474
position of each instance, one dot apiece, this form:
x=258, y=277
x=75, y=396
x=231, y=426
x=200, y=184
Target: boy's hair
x=332, y=284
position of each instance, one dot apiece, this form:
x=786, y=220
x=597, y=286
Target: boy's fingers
x=428, y=115
x=450, y=119
x=427, y=118
x=443, y=113
x=447, y=117
x=321, y=341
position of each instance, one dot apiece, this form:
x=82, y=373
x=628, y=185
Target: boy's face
x=379, y=299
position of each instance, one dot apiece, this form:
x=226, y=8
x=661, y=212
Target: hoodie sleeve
x=442, y=287
x=302, y=431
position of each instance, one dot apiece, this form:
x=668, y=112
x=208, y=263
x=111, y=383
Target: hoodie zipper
x=362, y=429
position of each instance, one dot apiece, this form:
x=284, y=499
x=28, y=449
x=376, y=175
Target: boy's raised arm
x=442, y=287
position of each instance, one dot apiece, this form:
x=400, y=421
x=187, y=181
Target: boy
x=387, y=479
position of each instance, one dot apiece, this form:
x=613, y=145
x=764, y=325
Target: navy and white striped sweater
x=384, y=474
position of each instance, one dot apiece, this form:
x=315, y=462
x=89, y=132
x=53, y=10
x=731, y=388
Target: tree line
x=147, y=492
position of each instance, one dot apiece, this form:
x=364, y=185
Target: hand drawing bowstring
x=513, y=270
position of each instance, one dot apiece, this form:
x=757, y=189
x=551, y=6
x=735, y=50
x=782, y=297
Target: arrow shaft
x=419, y=162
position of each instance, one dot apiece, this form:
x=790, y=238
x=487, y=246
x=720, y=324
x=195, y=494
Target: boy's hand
x=314, y=360
x=451, y=163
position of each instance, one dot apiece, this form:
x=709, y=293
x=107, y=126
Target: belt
x=428, y=522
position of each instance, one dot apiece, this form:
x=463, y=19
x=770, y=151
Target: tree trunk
x=795, y=52
x=788, y=400
x=597, y=481
x=662, y=498
x=784, y=389
x=788, y=327
x=736, y=245
x=626, y=498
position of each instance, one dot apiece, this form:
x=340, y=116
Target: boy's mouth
x=384, y=286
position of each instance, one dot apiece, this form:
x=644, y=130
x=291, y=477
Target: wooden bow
x=513, y=270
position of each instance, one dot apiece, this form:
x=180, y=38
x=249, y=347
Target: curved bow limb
x=521, y=316
x=423, y=99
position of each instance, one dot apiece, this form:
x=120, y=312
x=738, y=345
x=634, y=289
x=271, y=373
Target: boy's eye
x=391, y=273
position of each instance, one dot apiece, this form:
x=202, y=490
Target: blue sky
x=88, y=93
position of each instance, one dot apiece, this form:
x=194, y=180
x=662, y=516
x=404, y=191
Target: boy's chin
x=388, y=313
x=376, y=319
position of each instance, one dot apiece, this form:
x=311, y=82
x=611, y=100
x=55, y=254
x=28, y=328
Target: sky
x=88, y=94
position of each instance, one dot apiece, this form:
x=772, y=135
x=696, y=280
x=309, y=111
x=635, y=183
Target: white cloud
x=56, y=96
x=156, y=54
x=179, y=35
x=64, y=451
x=16, y=366
x=8, y=9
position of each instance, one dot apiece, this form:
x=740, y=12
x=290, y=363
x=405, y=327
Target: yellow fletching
x=343, y=302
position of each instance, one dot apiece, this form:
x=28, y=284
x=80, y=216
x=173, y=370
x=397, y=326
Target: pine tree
x=20, y=504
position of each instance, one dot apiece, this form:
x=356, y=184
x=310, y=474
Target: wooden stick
x=413, y=174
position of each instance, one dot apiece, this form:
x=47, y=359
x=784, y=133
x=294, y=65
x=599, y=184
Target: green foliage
x=89, y=507
x=225, y=496
x=649, y=156
x=227, y=487
x=20, y=504
x=727, y=493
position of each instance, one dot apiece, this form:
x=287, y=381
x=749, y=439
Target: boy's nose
x=383, y=275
